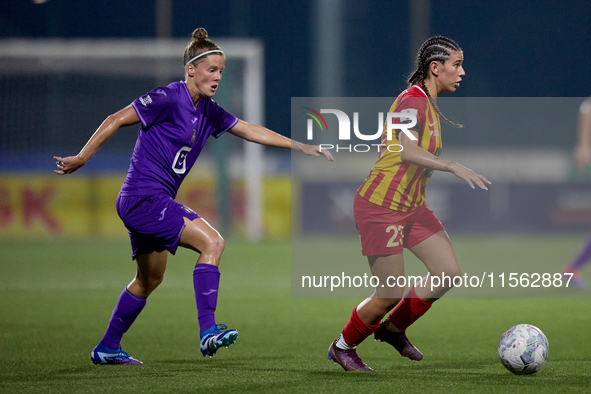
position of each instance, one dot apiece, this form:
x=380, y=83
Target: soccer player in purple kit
x=176, y=120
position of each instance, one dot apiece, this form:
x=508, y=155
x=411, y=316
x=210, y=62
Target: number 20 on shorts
x=396, y=238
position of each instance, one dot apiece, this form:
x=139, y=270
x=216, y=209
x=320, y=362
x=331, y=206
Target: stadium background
x=512, y=50
x=63, y=244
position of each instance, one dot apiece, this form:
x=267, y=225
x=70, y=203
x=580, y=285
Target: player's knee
x=220, y=245
x=215, y=246
x=146, y=285
x=151, y=282
x=455, y=273
x=155, y=281
x=447, y=277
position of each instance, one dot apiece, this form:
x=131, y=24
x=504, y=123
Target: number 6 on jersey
x=179, y=165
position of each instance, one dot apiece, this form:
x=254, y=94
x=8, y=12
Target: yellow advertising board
x=33, y=206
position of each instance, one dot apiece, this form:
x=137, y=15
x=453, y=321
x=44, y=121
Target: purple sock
x=206, y=281
x=583, y=257
x=127, y=309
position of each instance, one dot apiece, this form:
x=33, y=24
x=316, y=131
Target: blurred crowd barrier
x=327, y=208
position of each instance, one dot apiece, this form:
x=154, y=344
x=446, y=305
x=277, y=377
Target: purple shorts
x=154, y=223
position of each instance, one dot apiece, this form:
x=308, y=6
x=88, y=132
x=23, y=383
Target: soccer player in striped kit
x=391, y=214
x=175, y=121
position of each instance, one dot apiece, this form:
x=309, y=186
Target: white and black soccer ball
x=523, y=349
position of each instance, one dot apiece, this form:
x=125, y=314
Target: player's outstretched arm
x=264, y=136
x=125, y=117
x=582, y=152
x=412, y=153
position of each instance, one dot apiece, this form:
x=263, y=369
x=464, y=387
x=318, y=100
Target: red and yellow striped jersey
x=392, y=183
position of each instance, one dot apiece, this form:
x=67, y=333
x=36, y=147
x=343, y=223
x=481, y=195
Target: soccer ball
x=523, y=349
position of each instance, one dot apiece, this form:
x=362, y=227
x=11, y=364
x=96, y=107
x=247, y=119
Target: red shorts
x=384, y=231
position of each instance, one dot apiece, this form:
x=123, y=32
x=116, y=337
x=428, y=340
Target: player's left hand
x=67, y=165
x=582, y=155
x=314, y=150
x=469, y=176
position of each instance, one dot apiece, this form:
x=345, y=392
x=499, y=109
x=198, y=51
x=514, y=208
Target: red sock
x=356, y=330
x=408, y=310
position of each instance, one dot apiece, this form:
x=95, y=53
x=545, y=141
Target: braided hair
x=435, y=48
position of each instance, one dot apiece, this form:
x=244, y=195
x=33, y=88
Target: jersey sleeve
x=416, y=106
x=153, y=107
x=221, y=120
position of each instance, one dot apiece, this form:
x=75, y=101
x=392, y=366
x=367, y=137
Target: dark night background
x=511, y=48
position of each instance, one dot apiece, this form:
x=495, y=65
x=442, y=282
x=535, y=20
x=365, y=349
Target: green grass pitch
x=56, y=297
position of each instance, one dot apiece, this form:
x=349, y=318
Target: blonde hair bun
x=199, y=34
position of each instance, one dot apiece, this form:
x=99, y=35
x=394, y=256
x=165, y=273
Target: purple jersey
x=172, y=134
